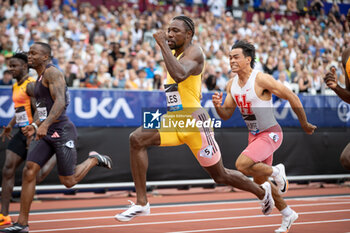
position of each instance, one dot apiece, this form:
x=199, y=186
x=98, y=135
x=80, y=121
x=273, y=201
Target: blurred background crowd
x=109, y=44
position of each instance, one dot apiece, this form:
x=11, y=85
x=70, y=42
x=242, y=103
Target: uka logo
x=10, y=111
x=101, y=107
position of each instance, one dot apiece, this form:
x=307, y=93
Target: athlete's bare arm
x=267, y=82
x=226, y=110
x=331, y=80
x=190, y=63
x=54, y=80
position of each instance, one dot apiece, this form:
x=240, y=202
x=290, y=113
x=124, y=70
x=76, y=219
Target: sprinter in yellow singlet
x=185, y=63
x=344, y=93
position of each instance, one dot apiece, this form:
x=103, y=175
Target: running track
x=320, y=210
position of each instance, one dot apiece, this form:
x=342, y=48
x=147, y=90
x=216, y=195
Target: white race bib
x=252, y=123
x=173, y=98
x=21, y=117
x=42, y=111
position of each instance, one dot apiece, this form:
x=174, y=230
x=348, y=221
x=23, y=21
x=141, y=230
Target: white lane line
x=170, y=206
x=184, y=221
x=181, y=212
x=262, y=226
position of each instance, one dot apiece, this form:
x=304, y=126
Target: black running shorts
x=60, y=139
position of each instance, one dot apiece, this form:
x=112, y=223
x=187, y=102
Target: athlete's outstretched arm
x=267, y=82
x=226, y=110
x=191, y=63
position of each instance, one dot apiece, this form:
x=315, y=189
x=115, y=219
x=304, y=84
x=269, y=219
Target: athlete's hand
x=6, y=133
x=160, y=37
x=41, y=132
x=217, y=99
x=28, y=130
x=330, y=79
x=309, y=128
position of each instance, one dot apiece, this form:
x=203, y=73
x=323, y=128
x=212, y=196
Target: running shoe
x=133, y=211
x=5, y=220
x=267, y=203
x=103, y=160
x=281, y=179
x=287, y=222
x=16, y=228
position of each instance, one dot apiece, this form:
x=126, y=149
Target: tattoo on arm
x=30, y=89
x=57, y=85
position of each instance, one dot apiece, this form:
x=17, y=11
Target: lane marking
x=178, y=213
x=191, y=221
x=262, y=226
x=166, y=206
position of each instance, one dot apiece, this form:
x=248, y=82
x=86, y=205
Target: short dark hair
x=248, y=50
x=22, y=56
x=46, y=47
x=7, y=72
x=187, y=21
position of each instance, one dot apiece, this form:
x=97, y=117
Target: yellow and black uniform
x=23, y=114
x=179, y=125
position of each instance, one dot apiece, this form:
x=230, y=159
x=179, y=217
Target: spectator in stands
x=103, y=77
x=90, y=80
x=120, y=79
x=31, y=9
x=3, y=66
x=270, y=65
x=93, y=32
x=7, y=78
x=304, y=81
x=281, y=68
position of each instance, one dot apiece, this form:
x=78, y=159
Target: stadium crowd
x=100, y=47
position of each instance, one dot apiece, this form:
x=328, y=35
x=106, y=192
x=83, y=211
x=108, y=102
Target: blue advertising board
x=122, y=108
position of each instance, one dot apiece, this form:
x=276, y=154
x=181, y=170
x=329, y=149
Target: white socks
x=286, y=211
x=275, y=171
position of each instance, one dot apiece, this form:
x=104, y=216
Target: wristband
x=35, y=126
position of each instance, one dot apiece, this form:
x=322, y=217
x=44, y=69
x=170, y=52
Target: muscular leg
x=279, y=201
x=234, y=178
x=46, y=169
x=345, y=157
x=80, y=172
x=248, y=167
x=140, y=139
x=30, y=171
x=8, y=179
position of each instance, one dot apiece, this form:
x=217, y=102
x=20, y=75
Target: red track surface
x=195, y=210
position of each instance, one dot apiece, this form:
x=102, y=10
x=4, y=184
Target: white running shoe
x=267, y=203
x=281, y=179
x=133, y=211
x=287, y=222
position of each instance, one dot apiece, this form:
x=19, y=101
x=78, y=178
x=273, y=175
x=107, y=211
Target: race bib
x=173, y=98
x=252, y=124
x=42, y=110
x=21, y=117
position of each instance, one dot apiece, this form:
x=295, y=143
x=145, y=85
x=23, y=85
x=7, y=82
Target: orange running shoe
x=5, y=220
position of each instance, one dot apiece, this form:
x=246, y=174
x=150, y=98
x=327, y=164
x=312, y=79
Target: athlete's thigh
x=40, y=152
x=145, y=137
x=18, y=145
x=65, y=147
x=202, y=142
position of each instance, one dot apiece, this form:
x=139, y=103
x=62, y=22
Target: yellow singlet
x=175, y=131
x=22, y=100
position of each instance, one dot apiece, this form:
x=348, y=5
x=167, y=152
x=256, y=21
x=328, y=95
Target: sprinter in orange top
x=17, y=148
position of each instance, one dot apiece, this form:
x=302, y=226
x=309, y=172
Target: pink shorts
x=262, y=145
